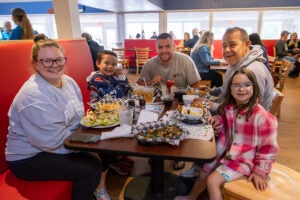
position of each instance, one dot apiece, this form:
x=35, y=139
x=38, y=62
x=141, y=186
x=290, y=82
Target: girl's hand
x=215, y=123
x=260, y=183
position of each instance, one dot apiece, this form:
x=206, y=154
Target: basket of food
x=153, y=133
x=192, y=115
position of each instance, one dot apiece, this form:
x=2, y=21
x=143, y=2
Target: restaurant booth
x=15, y=70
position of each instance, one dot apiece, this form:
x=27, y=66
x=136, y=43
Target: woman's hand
x=260, y=183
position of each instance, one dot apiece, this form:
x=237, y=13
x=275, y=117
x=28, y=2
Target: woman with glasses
x=247, y=139
x=46, y=110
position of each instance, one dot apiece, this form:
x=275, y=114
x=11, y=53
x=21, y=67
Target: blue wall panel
x=39, y=8
x=29, y=7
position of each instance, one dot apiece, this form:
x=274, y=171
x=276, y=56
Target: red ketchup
x=169, y=84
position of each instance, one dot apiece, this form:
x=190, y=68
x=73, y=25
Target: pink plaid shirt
x=252, y=147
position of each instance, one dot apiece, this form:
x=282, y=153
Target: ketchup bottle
x=169, y=84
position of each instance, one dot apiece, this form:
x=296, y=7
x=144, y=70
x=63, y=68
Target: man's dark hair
x=164, y=36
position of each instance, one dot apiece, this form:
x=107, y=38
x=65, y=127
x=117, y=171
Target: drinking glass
x=126, y=117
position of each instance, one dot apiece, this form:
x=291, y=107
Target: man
x=7, y=32
x=191, y=42
x=282, y=51
x=94, y=48
x=169, y=65
x=238, y=53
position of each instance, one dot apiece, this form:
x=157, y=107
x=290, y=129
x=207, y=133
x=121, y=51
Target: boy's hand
x=260, y=183
x=118, y=72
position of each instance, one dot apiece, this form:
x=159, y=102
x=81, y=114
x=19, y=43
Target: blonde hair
x=42, y=43
x=206, y=39
x=295, y=41
x=20, y=16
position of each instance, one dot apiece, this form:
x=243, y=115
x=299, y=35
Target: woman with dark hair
x=255, y=40
x=23, y=30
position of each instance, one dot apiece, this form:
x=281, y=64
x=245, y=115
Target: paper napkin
x=122, y=131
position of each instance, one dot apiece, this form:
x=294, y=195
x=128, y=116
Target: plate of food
x=95, y=119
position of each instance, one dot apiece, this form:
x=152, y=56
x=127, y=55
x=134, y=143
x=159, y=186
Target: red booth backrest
x=16, y=69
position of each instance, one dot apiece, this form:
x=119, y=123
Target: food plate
x=94, y=119
x=99, y=126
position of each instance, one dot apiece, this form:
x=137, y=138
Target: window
x=102, y=28
x=180, y=22
x=139, y=23
x=223, y=20
x=275, y=21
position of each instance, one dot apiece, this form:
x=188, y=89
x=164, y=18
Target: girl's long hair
x=20, y=16
x=228, y=98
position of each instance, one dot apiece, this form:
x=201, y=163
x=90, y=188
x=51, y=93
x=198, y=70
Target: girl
x=109, y=80
x=246, y=144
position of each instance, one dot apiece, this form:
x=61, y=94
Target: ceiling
x=110, y=5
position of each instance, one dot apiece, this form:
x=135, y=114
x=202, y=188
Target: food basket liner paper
x=144, y=127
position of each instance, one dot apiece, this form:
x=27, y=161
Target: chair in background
x=276, y=102
x=276, y=61
x=124, y=62
x=282, y=74
x=141, y=57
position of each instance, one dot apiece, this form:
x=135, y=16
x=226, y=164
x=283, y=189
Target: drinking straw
x=145, y=81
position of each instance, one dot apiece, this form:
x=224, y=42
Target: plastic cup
x=148, y=93
x=168, y=100
x=126, y=117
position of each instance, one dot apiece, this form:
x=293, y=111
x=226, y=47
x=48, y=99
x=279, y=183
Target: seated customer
x=110, y=80
x=186, y=37
x=282, y=51
x=191, y=42
x=46, y=110
x=255, y=40
x=201, y=55
x=94, y=47
x=294, y=44
x=170, y=65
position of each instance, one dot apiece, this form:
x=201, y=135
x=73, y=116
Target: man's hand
x=260, y=183
x=156, y=79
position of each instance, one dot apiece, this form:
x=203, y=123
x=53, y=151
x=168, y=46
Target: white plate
x=100, y=126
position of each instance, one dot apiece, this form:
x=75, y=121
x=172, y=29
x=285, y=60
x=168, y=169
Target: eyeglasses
x=47, y=62
x=237, y=86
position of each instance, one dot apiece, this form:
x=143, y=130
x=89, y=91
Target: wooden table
x=189, y=150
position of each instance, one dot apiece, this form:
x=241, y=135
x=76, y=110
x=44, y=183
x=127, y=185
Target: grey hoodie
x=253, y=61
